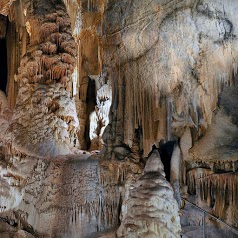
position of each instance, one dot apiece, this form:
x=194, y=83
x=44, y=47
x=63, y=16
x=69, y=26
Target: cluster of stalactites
x=176, y=81
x=54, y=59
x=46, y=88
x=215, y=190
x=165, y=116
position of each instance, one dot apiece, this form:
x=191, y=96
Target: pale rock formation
x=168, y=60
x=122, y=76
x=86, y=19
x=99, y=118
x=45, y=121
x=67, y=196
x=215, y=183
x=176, y=173
x=151, y=210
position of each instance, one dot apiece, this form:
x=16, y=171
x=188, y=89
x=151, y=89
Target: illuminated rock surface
x=151, y=210
x=89, y=89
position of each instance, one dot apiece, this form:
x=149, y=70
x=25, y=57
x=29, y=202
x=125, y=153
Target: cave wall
x=167, y=61
x=68, y=196
x=173, y=65
x=122, y=77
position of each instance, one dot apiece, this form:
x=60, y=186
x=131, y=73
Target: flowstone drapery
x=90, y=89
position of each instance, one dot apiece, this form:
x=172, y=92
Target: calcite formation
x=114, y=112
x=5, y=6
x=5, y=116
x=150, y=197
x=70, y=196
x=168, y=60
x=45, y=120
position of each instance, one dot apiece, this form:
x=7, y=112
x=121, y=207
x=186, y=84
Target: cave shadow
x=166, y=151
x=3, y=64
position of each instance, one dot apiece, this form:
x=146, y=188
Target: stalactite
x=161, y=90
x=214, y=191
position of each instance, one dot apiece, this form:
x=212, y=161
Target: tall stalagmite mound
x=150, y=209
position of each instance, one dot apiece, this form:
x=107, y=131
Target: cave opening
x=91, y=103
x=166, y=151
x=3, y=65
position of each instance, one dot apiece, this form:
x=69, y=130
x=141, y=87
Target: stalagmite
x=153, y=195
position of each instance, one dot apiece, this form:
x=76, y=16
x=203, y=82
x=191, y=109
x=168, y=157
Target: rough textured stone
x=117, y=78
x=151, y=210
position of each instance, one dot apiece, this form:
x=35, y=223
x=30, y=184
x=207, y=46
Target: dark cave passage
x=91, y=103
x=166, y=151
x=3, y=65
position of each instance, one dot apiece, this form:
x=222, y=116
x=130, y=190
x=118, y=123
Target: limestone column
x=45, y=121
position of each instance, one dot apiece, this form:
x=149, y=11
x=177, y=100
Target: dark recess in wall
x=166, y=151
x=91, y=103
x=3, y=65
